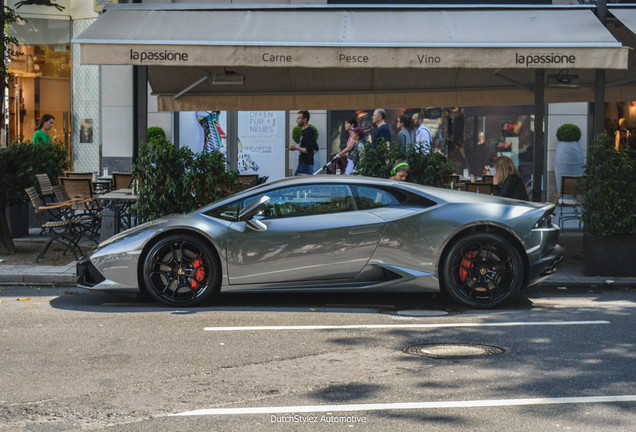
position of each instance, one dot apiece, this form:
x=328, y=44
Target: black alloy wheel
x=181, y=270
x=482, y=270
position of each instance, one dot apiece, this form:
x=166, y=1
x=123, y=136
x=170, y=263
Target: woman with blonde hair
x=507, y=181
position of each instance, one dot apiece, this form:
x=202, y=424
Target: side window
x=306, y=200
x=228, y=212
x=369, y=197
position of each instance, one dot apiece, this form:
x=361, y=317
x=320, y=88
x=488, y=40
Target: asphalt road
x=76, y=360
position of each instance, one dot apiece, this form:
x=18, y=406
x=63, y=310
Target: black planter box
x=611, y=256
x=18, y=219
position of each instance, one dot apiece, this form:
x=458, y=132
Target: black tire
x=181, y=270
x=482, y=270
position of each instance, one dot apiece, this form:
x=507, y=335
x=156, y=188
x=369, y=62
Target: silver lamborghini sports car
x=335, y=233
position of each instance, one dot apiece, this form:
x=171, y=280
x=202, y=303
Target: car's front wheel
x=482, y=270
x=181, y=270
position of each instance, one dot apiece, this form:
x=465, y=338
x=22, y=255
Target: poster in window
x=203, y=130
x=261, y=143
x=86, y=130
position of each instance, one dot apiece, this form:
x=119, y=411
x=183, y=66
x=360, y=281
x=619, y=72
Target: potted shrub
x=568, y=157
x=19, y=163
x=609, y=210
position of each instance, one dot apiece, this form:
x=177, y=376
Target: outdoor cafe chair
x=81, y=190
x=572, y=187
x=478, y=187
x=46, y=187
x=122, y=180
x=60, y=222
x=487, y=178
x=77, y=174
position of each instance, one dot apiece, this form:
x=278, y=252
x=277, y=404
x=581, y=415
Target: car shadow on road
x=350, y=302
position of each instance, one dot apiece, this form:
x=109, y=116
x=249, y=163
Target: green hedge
x=21, y=161
x=609, y=201
x=178, y=181
x=432, y=169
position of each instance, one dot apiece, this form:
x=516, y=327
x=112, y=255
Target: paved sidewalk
x=570, y=272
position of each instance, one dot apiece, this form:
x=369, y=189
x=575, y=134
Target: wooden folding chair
x=78, y=187
x=61, y=224
x=46, y=188
x=481, y=188
x=76, y=174
x=572, y=189
x=81, y=190
x=122, y=180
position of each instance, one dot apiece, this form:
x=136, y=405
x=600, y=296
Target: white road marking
x=405, y=326
x=408, y=405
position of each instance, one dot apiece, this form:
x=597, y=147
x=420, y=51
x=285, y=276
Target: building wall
x=85, y=106
x=117, y=117
x=159, y=118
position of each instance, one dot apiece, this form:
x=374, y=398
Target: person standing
x=422, y=134
x=307, y=146
x=406, y=134
x=45, y=125
x=383, y=131
x=355, y=146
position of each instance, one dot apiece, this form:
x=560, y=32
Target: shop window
x=41, y=78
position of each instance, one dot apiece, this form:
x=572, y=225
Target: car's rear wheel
x=482, y=270
x=181, y=270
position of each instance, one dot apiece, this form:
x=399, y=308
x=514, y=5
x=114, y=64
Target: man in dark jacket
x=307, y=146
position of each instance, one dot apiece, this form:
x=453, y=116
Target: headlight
x=545, y=221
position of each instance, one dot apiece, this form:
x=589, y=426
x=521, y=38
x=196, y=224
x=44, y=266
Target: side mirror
x=248, y=213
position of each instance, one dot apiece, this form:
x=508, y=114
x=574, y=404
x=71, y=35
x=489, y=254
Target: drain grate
x=453, y=350
x=421, y=313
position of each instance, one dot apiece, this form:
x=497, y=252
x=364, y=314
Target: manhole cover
x=421, y=313
x=453, y=350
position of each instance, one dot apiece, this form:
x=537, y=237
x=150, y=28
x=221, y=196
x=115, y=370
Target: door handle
x=364, y=230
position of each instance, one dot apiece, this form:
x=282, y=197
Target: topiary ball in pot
x=568, y=157
x=156, y=133
x=568, y=132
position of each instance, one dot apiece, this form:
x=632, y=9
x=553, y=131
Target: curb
x=38, y=275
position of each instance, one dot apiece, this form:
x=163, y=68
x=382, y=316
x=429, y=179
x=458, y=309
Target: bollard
x=110, y=222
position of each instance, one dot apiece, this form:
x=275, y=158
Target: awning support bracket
x=193, y=85
x=513, y=82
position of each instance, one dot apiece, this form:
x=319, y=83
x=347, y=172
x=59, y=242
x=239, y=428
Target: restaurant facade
x=513, y=73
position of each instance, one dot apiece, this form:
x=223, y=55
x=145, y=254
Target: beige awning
x=626, y=15
x=328, y=37
x=342, y=57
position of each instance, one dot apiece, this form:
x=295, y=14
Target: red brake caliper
x=199, y=274
x=466, y=264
